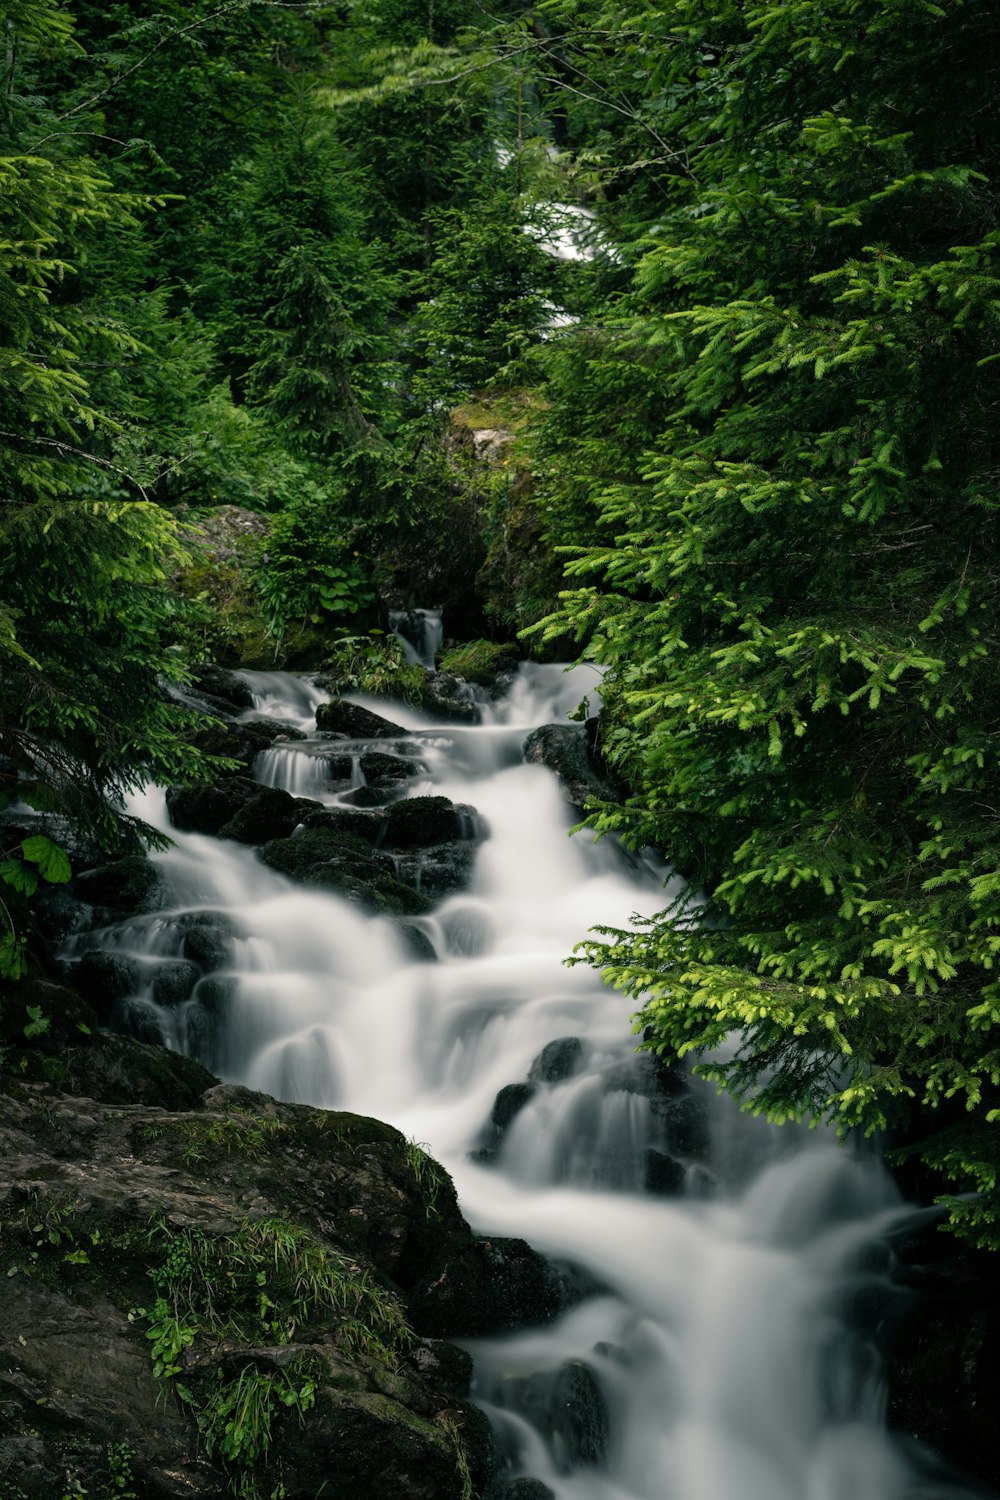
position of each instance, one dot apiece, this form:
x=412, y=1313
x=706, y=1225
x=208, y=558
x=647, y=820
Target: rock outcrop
x=177, y=1250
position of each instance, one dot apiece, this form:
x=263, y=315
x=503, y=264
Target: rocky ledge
x=209, y=1292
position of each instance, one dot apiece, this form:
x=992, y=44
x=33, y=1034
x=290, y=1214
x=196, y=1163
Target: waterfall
x=420, y=632
x=722, y=1346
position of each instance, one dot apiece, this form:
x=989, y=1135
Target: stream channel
x=734, y=1273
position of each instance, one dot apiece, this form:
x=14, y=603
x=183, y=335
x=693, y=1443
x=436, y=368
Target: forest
x=283, y=258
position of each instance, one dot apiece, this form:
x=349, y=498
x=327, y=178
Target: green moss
x=479, y=661
x=264, y=1284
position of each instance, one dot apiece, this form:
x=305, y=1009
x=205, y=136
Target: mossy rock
x=419, y=822
x=121, y=1071
x=334, y=862
x=480, y=661
x=126, y=886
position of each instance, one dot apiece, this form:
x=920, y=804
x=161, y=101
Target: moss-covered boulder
x=419, y=822
x=124, y=887
x=240, y=742
x=206, y=1295
x=204, y=806
x=322, y=857
x=271, y=814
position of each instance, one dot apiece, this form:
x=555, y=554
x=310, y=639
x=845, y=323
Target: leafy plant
x=374, y=663
x=430, y=1176
x=310, y=571
x=40, y=858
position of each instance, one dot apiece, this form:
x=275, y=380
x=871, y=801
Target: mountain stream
x=733, y=1273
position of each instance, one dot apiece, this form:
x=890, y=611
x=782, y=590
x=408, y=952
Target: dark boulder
x=439, y=871
x=944, y=1352
x=103, y=978
x=450, y=697
x=579, y=1414
x=417, y=942
x=156, y=1149
x=241, y=742
x=205, y=806
x=174, y=981
x=359, y=823
x=527, y=1489
x=340, y=863
x=388, y=772
x=227, y=686
x=365, y=796
x=557, y=1060
x=508, y=1104
x=341, y=717
x=444, y=1366
x=665, y=1177
x=418, y=822
x=207, y=940
x=492, y=1286
x=565, y=750
x=126, y=887
x=271, y=814
x=119, y=1071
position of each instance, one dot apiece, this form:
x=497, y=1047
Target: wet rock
x=418, y=822
x=207, y=940
x=76, y=1377
x=356, y=822
x=227, y=686
x=450, y=697
x=508, y=1104
x=356, y=722
x=684, y=1125
x=439, y=871
x=386, y=772
x=205, y=806
x=103, y=978
x=60, y=916
x=527, y=1489
x=444, y=1366
x=241, y=742
x=271, y=814
x=320, y=857
x=579, y=1414
x=418, y=943
x=127, y=886
x=493, y=1286
x=119, y=1071
x=365, y=796
x=565, y=750
x=557, y=1060
x=665, y=1177
x=643, y=1073
x=174, y=982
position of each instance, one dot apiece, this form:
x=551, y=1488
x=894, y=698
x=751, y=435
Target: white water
x=729, y=1328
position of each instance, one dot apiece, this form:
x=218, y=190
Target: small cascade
x=719, y=1344
x=420, y=631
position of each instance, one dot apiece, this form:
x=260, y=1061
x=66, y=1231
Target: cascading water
x=723, y=1348
x=420, y=632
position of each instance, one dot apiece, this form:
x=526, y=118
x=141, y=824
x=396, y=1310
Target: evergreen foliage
x=796, y=597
